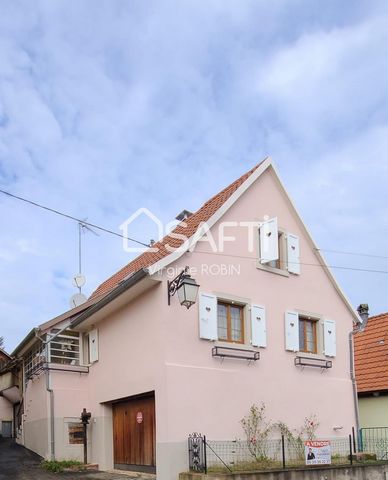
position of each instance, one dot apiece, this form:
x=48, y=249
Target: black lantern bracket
x=180, y=281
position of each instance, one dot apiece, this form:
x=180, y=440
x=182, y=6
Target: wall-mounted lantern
x=186, y=287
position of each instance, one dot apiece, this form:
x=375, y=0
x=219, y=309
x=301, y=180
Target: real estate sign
x=317, y=452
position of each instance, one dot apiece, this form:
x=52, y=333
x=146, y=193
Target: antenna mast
x=79, y=280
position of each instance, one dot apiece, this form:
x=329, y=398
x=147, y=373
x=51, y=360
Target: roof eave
x=30, y=336
x=109, y=297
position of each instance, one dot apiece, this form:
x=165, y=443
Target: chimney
x=183, y=215
x=363, y=311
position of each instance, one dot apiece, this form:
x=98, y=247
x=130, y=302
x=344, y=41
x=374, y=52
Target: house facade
x=270, y=325
x=371, y=363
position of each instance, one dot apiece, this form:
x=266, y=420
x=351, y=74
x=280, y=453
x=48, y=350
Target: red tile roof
x=187, y=228
x=371, y=355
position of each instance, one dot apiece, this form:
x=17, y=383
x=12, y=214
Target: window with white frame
x=227, y=321
x=65, y=347
x=278, y=250
x=306, y=334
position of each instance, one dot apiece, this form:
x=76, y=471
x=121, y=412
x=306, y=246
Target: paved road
x=18, y=463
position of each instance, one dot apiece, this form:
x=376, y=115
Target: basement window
x=65, y=348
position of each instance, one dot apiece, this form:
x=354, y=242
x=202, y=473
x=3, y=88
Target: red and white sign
x=139, y=417
x=317, y=452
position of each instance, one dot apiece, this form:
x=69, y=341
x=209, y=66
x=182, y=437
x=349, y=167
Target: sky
x=109, y=106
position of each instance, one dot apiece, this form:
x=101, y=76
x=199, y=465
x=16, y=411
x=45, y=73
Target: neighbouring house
x=270, y=325
x=371, y=366
x=6, y=408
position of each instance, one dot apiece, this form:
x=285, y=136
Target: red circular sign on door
x=139, y=417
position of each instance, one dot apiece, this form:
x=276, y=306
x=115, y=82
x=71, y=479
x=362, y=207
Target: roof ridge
x=188, y=227
x=378, y=316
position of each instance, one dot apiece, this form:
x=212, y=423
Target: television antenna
x=79, y=279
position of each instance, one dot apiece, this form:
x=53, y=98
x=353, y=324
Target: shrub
x=58, y=466
x=257, y=430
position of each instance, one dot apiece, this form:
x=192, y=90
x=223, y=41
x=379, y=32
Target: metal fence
x=281, y=453
x=374, y=440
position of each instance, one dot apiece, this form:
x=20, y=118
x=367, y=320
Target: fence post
x=283, y=453
x=354, y=441
x=350, y=450
x=204, y=454
x=360, y=441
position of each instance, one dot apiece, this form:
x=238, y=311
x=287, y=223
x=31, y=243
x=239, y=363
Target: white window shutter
x=258, y=326
x=292, y=331
x=208, y=316
x=329, y=338
x=269, y=242
x=93, y=346
x=293, y=259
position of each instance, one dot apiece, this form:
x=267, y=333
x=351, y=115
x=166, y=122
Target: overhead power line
x=106, y=230
x=352, y=253
x=78, y=220
x=340, y=267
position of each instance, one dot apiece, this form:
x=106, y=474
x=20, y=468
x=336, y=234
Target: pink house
x=270, y=324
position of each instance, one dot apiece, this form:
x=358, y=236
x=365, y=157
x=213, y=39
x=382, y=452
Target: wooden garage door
x=134, y=434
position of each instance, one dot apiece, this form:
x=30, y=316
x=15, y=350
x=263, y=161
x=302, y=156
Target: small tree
x=257, y=430
x=296, y=438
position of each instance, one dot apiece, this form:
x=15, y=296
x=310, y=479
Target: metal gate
x=197, y=453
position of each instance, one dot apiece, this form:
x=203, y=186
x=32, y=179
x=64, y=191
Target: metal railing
x=279, y=453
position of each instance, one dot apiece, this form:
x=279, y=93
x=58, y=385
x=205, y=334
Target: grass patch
x=59, y=466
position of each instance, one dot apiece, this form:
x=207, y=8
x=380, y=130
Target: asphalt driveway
x=18, y=463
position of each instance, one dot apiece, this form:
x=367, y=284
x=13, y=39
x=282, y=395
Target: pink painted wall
x=210, y=396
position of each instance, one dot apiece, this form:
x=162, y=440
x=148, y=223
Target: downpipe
x=353, y=379
x=52, y=427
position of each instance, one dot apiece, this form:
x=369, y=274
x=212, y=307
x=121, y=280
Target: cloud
x=107, y=108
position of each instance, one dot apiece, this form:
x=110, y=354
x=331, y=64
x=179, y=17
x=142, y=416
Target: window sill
x=314, y=356
x=67, y=368
x=243, y=346
x=277, y=271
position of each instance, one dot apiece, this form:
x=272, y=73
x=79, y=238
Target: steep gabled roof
x=209, y=213
x=371, y=355
x=187, y=228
